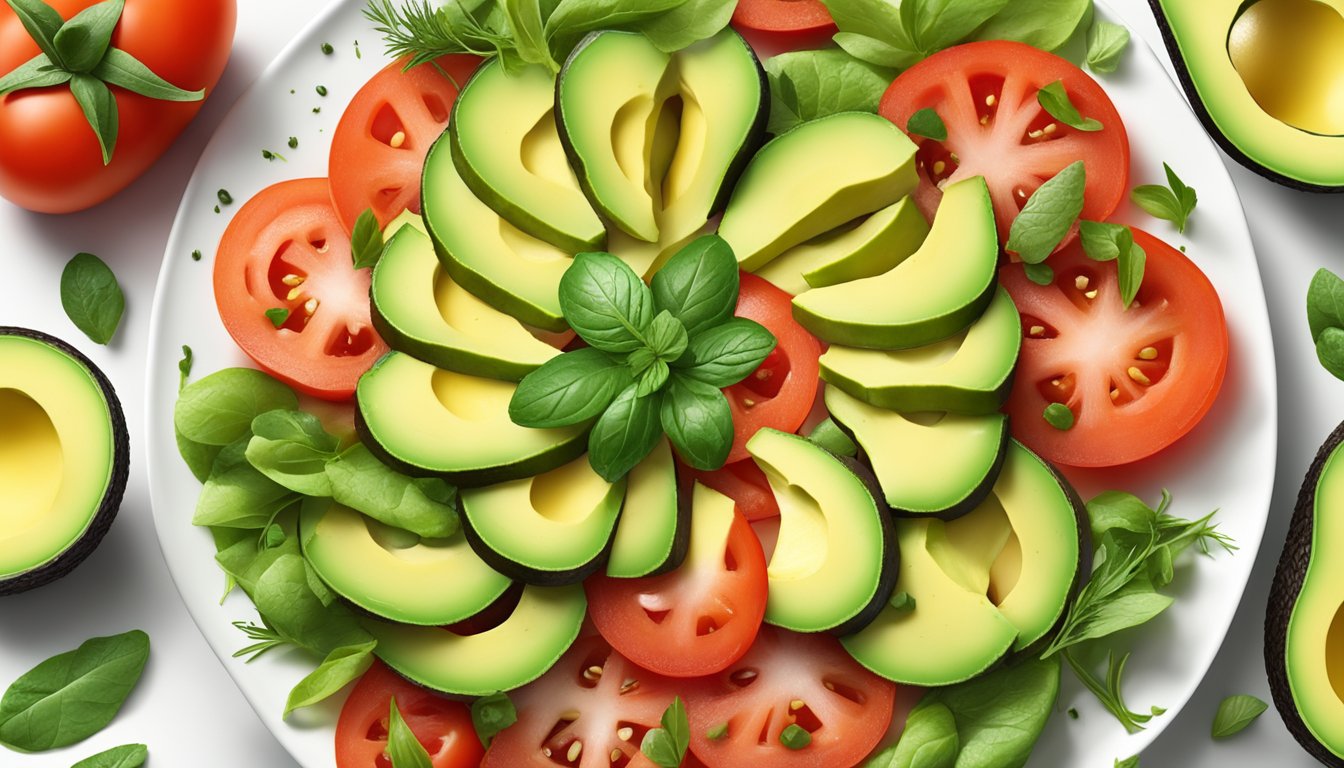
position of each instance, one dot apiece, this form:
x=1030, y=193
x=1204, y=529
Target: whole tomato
x=50, y=160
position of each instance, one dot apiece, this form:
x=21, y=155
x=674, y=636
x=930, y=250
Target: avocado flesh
x=654, y=529
x=393, y=573
x=63, y=459
x=518, y=651
x=798, y=186
x=428, y=421
x=419, y=309
x=936, y=292
x=875, y=245
x=970, y=373
x=1266, y=81
x=834, y=564
x=551, y=529
x=927, y=463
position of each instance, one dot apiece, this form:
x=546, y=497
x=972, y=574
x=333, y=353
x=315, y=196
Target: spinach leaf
x=1330, y=351
x=1235, y=713
x=697, y=420
x=292, y=449
x=572, y=19
x=1106, y=43
x=727, y=354
x=125, y=756
x=625, y=434
x=219, y=409
x=1129, y=762
x=806, y=85
x=1055, y=100
x=879, y=21
x=236, y=495
x=699, y=284
x=198, y=457
x=606, y=303
x=928, y=124
x=491, y=715
x=929, y=741
x=366, y=242
x=91, y=297
x=1000, y=715
x=403, y=749
x=569, y=389
x=1040, y=274
x=184, y=368
x=1044, y=24
x=286, y=599
x=342, y=666
x=1048, y=215
x=529, y=39
x=936, y=24
x=423, y=506
x=689, y=22
x=873, y=51
x=1132, y=264
x=667, y=746
x=1103, y=241
x=1325, y=303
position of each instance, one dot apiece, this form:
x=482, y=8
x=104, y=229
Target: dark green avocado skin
x=533, y=576
x=116, y=487
x=891, y=553
x=1288, y=579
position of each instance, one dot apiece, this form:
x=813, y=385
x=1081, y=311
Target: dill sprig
x=421, y=33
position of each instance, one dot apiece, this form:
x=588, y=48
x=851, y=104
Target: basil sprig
x=657, y=359
x=79, y=51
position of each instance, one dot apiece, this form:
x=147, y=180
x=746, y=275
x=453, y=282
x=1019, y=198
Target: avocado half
x=1261, y=76
x=1304, y=623
x=64, y=458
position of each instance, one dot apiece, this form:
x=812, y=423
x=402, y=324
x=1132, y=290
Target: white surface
x=190, y=714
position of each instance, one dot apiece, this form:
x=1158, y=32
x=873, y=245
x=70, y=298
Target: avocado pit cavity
x=1287, y=54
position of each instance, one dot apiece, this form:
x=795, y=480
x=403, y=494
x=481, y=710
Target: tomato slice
x=779, y=395
x=986, y=95
x=742, y=481
x=699, y=618
x=790, y=23
x=442, y=726
x=379, y=147
x=285, y=249
x=786, y=679
x=1137, y=379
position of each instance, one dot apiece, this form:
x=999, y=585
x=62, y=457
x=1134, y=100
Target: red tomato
x=787, y=679
x=592, y=704
x=49, y=157
x=986, y=95
x=379, y=148
x=695, y=620
x=287, y=241
x=792, y=24
x=780, y=393
x=1136, y=379
x=442, y=726
x=742, y=481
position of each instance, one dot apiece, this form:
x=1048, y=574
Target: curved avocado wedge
x=654, y=531
x=969, y=373
x=835, y=562
x=424, y=421
x=929, y=296
x=1304, y=626
x=541, y=628
x=395, y=574
x=420, y=310
x=64, y=458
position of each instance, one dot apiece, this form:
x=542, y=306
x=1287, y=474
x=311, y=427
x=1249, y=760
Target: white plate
x=1227, y=463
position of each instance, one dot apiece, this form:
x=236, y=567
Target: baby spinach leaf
x=341, y=667
x=929, y=741
x=1040, y=274
x=625, y=434
x=572, y=19
x=1330, y=351
x=492, y=714
x=687, y=23
x=1106, y=43
x=877, y=52
x=91, y=297
x=807, y=85
x=1044, y=24
x=1055, y=100
x=936, y=24
x=236, y=495
x=403, y=749
x=727, y=354
x=198, y=457
x=1048, y=215
x=928, y=124
x=697, y=420
x=606, y=303
x=569, y=389
x=292, y=449
x=125, y=756
x=1325, y=303
x=219, y=409
x=699, y=284
x=1235, y=713
x=1000, y=715
x=285, y=598
x=423, y=506
x=366, y=241
x=525, y=21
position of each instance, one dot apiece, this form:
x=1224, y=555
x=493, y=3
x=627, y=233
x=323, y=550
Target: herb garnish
x=293, y=142
x=184, y=368
x=327, y=49
x=1174, y=204
x=196, y=255
x=403, y=749
x=366, y=240
x=1103, y=241
x=278, y=316
x=667, y=746
x=1055, y=100
x=91, y=297
x=1129, y=762
x=1325, y=316
x=1059, y=416
x=1048, y=215
x=795, y=737
x=1106, y=42
x=1235, y=713
x=125, y=756
x=928, y=124
x=224, y=197
x=321, y=90
x=492, y=714
x=341, y=667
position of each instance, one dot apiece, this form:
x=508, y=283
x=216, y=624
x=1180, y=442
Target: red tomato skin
x=742, y=481
x=784, y=24
x=441, y=725
x=50, y=161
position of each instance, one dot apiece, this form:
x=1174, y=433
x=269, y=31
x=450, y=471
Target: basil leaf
x=929, y=741
x=699, y=284
x=220, y=408
x=423, y=506
x=652, y=378
x=936, y=24
x=625, y=434
x=1121, y=612
x=1101, y=240
x=697, y=420
x=1132, y=263
x=83, y=38
x=1048, y=215
x=572, y=19
x=821, y=83
x=403, y=749
x=100, y=110
x=292, y=448
x=286, y=599
x=727, y=354
x=1106, y=43
x=125, y=756
x=1330, y=351
x=569, y=389
x=1325, y=303
x=366, y=241
x=42, y=22
x=1044, y=24
x=491, y=715
x=236, y=495
x=1040, y=274
x=928, y=124
x=879, y=53
x=91, y=297
x=1059, y=416
x=667, y=746
x=37, y=72
x=830, y=437
x=1055, y=100
x=1174, y=204
x=606, y=303
x=72, y=695
x=1235, y=713
x=121, y=69
x=687, y=23
x=525, y=20
x=1000, y=715
x=667, y=337
x=341, y=667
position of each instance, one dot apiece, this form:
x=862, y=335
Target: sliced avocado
x=875, y=245
x=393, y=573
x=551, y=529
x=64, y=458
x=940, y=464
x=935, y=293
x=1304, y=626
x=420, y=310
x=506, y=147
x=655, y=528
x=835, y=561
x=518, y=651
x=427, y=421
x=813, y=179
x=970, y=373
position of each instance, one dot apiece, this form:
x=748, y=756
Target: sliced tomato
x=780, y=393
x=441, y=725
x=1136, y=379
x=697, y=619
x=286, y=250
x=790, y=679
x=986, y=95
x=788, y=23
x=742, y=481
x=379, y=147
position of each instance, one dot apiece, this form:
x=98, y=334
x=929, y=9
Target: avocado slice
x=835, y=562
x=64, y=458
x=939, y=464
x=1304, y=626
x=969, y=373
x=800, y=185
x=506, y=146
x=1264, y=77
x=427, y=421
x=541, y=628
x=654, y=531
x=866, y=249
x=935, y=293
x=395, y=574
x=551, y=529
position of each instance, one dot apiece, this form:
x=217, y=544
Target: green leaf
x=403, y=749
x=1040, y=274
x=1103, y=241
x=1325, y=303
x=727, y=354
x=1110, y=691
x=198, y=457
x=72, y=695
x=491, y=715
x=936, y=24
x=285, y=597
x=687, y=23
x=879, y=53
x=1330, y=351
x=699, y=284
x=1043, y=24
x=1235, y=713
x=795, y=737
x=83, y=38
x=569, y=389
x=832, y=438
x=37, y=72
x=652, y=378
x=236, y=495
x=220, y=408
x=100, y=110
x=184, y=368
x=903, y=602
x=806, y=85
x=625, y=434
x=125, y=756
x=667, y=746
x=278, y=316
x=91, y=297
x=1129, y=762
x=1112, y=510
x=1174, y=204
x=525, y=20
x=697, y=420
x=606, y=303
x=1131, y=266
x=42, y=22
x=572, y=19
x=928, y=741
x=366, y=241
x=1000, y=715
x=422, y=505
x=1059, y=416
x=341, y=667
x=878, y=19
x=667, y=337
x=292, y=449
x=1055, y=100
x=1048, y=215
x=1106, y=43
x=928, y=124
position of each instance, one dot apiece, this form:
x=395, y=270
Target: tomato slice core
x=442, y=726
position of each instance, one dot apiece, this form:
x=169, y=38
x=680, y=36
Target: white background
x=187, y=709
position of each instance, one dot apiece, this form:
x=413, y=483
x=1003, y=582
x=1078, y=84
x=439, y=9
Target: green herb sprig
x=667, y=746
x=1055, y=100
x=1173, y=203
x=1115, y=242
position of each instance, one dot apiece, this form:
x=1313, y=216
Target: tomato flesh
x=442, y=726
x=742, y=481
